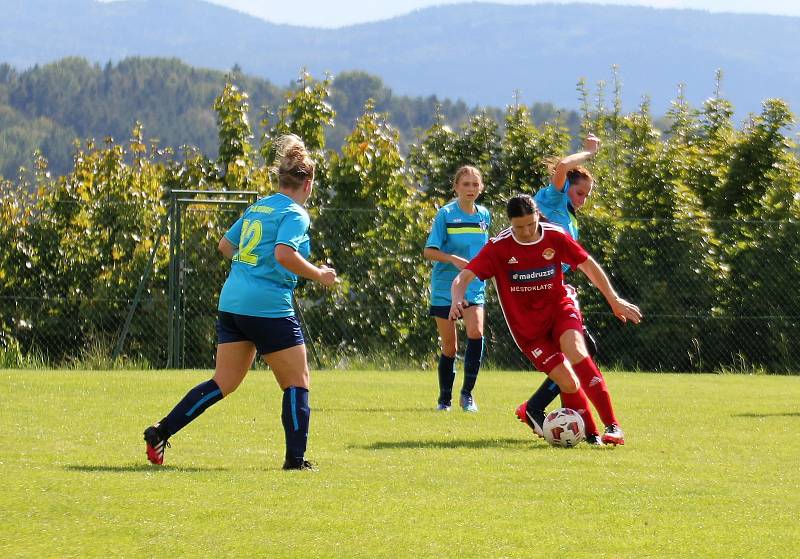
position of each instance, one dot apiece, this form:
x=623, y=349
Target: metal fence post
x=179, y=200
x=173, y=208
x=140, y=289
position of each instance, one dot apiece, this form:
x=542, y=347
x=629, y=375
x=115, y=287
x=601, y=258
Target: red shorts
x=545, y=351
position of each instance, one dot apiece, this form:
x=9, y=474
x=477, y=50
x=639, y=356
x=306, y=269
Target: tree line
x=47, y=107
x=698, y=225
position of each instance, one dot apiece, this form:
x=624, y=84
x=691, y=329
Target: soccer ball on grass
x=564, y=427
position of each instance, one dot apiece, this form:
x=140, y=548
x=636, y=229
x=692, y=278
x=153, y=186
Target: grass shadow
x=140, y=468
x=377, y=409
x=455, y=443
x=761, y=415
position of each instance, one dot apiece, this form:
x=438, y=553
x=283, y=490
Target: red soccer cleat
x=155, y=445
x=613, y=435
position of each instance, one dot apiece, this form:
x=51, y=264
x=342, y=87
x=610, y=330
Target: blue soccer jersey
x=257, y=284
x=556, y=208
x=462, y=234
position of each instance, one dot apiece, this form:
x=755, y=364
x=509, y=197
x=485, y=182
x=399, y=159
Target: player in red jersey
x=525, y=264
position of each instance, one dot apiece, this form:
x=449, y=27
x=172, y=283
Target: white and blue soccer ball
x=564, y=427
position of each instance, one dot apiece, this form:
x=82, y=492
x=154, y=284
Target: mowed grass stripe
x=710, y=469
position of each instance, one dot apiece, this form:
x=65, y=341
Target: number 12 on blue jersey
x=248, y=241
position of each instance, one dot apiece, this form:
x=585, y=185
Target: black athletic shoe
x=155, y=445
x=534, y=421
x=301, y=465
x=594, y=440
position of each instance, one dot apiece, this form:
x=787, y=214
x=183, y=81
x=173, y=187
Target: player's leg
x=473, y=320
x=234, y=357
x=573, y=345
x=538, y=402
x=591, y=343
x=290, y=368
x=573, y=397
x=548, y=391
x=448, y=341
x=233, y=362
x=285, y=353
x=546, y=356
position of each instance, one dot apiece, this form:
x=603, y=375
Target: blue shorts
x=443, y=311
x=268, y=334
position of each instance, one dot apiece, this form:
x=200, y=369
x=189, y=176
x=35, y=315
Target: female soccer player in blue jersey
x=459, y=231
x=269, y=246
x=570, y=186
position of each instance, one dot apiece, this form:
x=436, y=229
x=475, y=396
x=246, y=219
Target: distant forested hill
x=48, y=107
x=476, y=52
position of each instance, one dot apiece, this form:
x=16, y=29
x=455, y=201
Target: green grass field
x=711, y=469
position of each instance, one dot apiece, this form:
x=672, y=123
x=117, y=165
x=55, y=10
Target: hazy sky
x=336, y=13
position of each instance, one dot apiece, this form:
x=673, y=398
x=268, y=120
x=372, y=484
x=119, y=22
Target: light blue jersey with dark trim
x=457, y=232
x=557, y=209
x=257, y=284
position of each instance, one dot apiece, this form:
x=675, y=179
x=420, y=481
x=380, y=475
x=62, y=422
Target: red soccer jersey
x=528, y=277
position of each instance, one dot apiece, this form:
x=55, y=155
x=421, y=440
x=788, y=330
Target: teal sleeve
x=235, y=232
x=552, y=197
x=292, y=230
x=438, y=232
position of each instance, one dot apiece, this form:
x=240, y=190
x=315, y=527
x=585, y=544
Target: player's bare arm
x=227, y=248
x=622, y=309
x=457, y=291
x=293, y=261
x=590, y=147
x=437, y=255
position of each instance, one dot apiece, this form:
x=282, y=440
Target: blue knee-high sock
x=295, y=418
x=196, y=401
x=447, y=375
x=472, y=363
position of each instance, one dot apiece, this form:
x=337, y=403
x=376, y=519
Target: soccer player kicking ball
x=525, y=264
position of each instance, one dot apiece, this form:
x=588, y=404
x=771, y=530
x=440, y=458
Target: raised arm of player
x=590, y=146
x=622, y=309
x=457, y=291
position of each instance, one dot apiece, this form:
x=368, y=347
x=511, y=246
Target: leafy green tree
x=761, y=146
x=384, y=221
x=84, y=241
x=235, y=151
x=434, y=160
x=526, y=152
x=307, y=114
x=663, y=259
x=478, y=145
x=599, y=225
x=760, y=197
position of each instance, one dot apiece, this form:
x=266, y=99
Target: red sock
x=594, y=385
x=578, y=402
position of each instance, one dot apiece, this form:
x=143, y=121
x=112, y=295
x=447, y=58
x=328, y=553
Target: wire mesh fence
x=716, y=296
